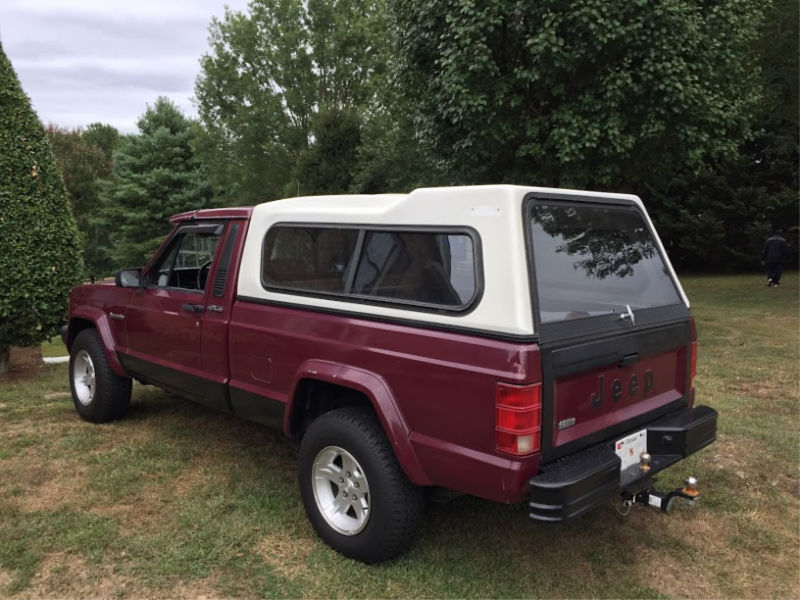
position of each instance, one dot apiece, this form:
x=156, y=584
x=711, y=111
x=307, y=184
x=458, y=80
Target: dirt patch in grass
x=153, y=505
x=145, y=514
x=199, y=474
x=5, y=579
x=65, y=575
x=735, y=455
x=50, y=486
x=25, y=363
x=675, y=576
x=197, y=589
x=286, y=551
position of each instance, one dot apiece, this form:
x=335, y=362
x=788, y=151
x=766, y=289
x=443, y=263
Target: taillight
x=518, y=418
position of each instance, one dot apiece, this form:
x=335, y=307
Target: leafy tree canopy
x=155, y=175
x=39, y=251
x=106, y=137
x=719, y=219
x=601, y=93
x=327, y=167
x=83, y=164
x=267, y=76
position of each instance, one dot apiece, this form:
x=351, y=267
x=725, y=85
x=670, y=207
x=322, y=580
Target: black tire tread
x=113, y=392
x=401, y=499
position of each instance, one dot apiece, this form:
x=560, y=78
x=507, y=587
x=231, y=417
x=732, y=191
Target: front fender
x=99, y=319
x=383, y=401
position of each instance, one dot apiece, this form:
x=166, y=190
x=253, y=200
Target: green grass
x=176, y=500
x=54, y=347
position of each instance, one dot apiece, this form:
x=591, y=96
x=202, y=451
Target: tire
x=99, y=394
x=346, y=451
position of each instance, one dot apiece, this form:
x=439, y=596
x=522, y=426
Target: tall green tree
x=40, y=256
x=84, y=163
x=719, y=219
x=267, y=76
x=329, y=164
x=155, y=175
x=104, y=136
x=598, y=93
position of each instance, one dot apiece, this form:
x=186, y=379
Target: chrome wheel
x=341, y=490
x=83, y=377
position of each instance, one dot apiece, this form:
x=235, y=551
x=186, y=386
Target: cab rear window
x=592, y=260
x=421, y=268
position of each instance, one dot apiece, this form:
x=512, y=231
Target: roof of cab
x=238, y=212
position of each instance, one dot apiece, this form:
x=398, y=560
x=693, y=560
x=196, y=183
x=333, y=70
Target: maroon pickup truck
x=514, y=343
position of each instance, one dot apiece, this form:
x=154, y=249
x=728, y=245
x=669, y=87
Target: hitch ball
x=644, y=461
x=690, y=487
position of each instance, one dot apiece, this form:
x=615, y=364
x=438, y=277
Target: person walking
x=776, y=253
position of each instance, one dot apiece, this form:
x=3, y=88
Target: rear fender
x=383, y=402
x=99, y=319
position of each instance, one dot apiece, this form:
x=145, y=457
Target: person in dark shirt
x=775, y=255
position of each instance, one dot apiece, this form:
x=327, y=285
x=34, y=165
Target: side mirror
x=129, y=278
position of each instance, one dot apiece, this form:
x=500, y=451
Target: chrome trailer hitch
x=663, y=501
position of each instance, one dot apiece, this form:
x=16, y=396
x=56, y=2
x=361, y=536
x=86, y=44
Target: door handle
x=193, y=308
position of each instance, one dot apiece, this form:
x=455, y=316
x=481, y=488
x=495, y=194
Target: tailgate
x=613, y=322
x=594, y=390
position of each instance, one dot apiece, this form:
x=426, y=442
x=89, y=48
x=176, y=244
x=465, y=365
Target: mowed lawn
x=179, y=501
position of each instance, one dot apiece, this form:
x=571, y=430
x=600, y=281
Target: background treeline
x=692, y=105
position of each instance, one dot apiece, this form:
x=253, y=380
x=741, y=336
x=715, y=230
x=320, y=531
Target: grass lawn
x=179, y=501
x=54, y=347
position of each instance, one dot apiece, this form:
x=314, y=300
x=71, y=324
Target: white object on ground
x=54, y=360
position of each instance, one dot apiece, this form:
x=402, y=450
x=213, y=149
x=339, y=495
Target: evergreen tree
x=40, y=256
x=155, y=175
x=327, y=167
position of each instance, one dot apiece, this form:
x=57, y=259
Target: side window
x=159, y=272
x=429, y=268
x=308, y=258
x=405, y=267
x=187, y=262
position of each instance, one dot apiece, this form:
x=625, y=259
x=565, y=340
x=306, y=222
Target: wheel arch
x=354, y=387
x=93, y=318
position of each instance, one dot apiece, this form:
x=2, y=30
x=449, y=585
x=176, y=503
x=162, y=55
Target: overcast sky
x=83, y=61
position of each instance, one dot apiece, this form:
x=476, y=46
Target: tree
x=327, y=167
x=268, y=75
x=721, y=217
x=602, y=93
x=155, y=175
x=39, y=251
x=83, y=164
x=106, y=137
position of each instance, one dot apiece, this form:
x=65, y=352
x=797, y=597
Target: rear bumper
x=64, y=332
x=571, y=486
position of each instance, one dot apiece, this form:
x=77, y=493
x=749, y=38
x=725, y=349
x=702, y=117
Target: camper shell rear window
x=434, y=268
x=593, y=260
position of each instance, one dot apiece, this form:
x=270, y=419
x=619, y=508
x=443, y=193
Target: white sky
x=83, y=61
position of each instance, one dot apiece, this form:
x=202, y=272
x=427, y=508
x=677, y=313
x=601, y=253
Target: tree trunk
x=4, y=358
